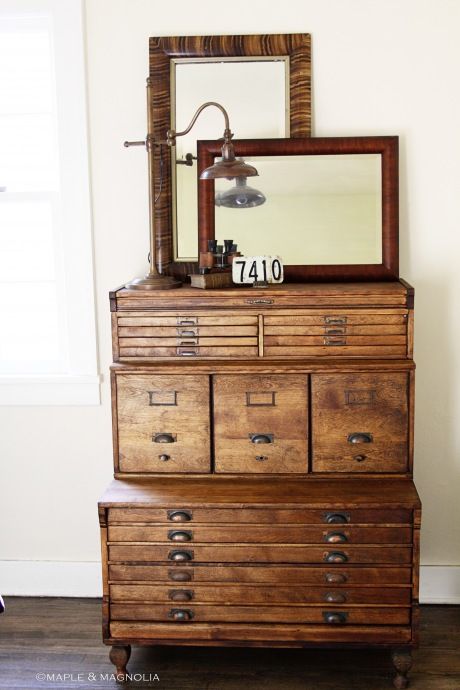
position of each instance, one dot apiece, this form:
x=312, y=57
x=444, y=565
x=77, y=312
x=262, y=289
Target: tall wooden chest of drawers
x=263, y=447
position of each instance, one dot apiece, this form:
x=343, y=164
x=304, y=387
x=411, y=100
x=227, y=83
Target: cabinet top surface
x=216, y=491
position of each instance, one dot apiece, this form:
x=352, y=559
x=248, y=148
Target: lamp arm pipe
x=172, y=134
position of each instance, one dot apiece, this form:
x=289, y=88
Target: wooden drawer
x=292, y=534
x=261, y=614
x=261, y=423
x=198, y=334
x=260, y=594
x=163, y=423
x=360, y=422
x=259, y=553
x=336, y=576
x=358, y=333
x=334, y=516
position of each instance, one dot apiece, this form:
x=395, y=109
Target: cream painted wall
x=379, y=67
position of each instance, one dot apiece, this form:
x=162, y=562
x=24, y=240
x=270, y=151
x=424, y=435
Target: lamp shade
x=240, y=196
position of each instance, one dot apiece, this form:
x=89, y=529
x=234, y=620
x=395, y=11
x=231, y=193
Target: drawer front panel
x=335, y=348
x=183, y=320
x=336, y=319
x=360, y=422
x=189, y=351
x=188, y=341
x=195, y=331
x=292, y=534
x=163, y=423
x=259, y=594
x=184, y=514
x=223, y=553
x=336, y=576
x=261, y=423
x=261, y=614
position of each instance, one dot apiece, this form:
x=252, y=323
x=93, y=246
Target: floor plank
x=63, y=636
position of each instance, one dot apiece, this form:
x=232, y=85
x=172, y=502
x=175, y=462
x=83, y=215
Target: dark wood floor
x=58, y=636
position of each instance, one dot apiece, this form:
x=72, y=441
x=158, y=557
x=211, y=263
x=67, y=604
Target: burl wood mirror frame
x=161, y=51
x=386, y=146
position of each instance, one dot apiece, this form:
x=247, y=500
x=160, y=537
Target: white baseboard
x=439, y=584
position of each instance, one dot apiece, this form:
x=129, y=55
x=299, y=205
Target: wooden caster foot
x=119, y=656
x=402, y=661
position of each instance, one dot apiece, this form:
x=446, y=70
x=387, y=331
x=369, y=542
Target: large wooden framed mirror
x=264, y=83
x=331, y=209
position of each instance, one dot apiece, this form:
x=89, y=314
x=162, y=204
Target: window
x=48, y=342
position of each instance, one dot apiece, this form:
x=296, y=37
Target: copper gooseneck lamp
x=229, y=167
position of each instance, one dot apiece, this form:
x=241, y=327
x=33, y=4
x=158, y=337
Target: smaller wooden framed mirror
x=330, y=210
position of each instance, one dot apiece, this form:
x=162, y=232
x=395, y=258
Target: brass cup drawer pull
x=186, y=353
x=177, y=535
x=180, y=556
x=179, y=515
x=335, y=597
x=336, y=578
x=181, y=594
x=336, y=538
x=193, y=341
x=180, y=575
x=335, y=617
x=181, y=615
x=341, y=330
x=164, y=438
x=262, y=438
x=332, y=341
x=336, y=518
x=336, y=557
x=183, y=333
x=360, y=437
x=335, y=319
x=187, y=320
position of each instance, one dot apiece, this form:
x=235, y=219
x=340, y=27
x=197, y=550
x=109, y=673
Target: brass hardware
x=335, y=557
x=179, y=515
x=360, y=437
x=336, y=578
x=186, y=353
x=189, y=342
x=164, y=457
x=260, y=301
x=334, y=341
x=359, y=458
x=180, y=614
x=261, y=458
x=357, y=396
x=187, y=334
x=177, y=535
x=180, y=575
x=187, y=320
x=180, y=594
x=189, y=158
x=180, y=556
x=163, y=398
x=335, y=319
x=335, y=597
x=255, y=399
x=262, y=438
x=335, y=331
x=337, y=518
x=335, y=617
x=164, y=438
x=336, y=538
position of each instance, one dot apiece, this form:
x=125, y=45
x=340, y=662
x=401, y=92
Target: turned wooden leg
x=402, y=661
x=119, y=656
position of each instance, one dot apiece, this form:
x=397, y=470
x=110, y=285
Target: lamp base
x=154, y=282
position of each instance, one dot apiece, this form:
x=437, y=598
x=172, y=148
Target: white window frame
x=79, y=384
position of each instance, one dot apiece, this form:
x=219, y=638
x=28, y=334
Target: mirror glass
x=255, y=94
x=319, y=210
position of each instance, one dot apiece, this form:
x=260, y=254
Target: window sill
x=60, y=389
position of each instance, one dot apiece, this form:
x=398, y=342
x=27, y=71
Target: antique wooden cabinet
x=263, y=448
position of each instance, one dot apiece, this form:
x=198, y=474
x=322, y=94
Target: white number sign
x=251, y=269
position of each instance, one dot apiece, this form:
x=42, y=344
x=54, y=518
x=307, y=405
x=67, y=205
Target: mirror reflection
x=318, y=209
x=253, y=91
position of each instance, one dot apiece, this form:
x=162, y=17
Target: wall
x=379, y=67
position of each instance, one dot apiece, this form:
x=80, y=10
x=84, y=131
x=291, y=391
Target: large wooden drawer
x=162, y=423
x=262, y=614
x=259, y=553
x=261, y=423
x=360, y=422
x=260, y=594
x=336, y=576
x=182, y=514
x=288, y=534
